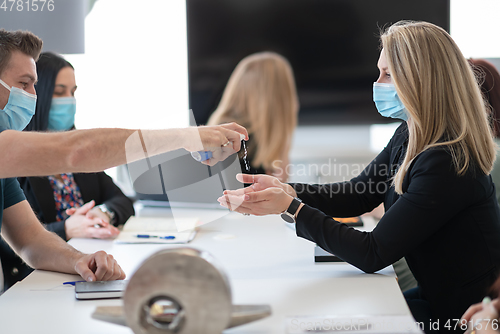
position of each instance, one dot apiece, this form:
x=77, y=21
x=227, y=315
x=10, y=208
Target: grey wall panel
x=62, y=29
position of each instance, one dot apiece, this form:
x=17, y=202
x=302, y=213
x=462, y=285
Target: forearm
x=358, y=248
x=38, y=154
x=40, y=248
x=50, y=252
x=344, y=199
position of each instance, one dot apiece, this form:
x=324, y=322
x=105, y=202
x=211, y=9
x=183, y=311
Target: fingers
x=219, y=154
x=232, y=137
x=268, y=201
x=236, y=127
x=225, y=201
x=240, y=192
x=85, y=208
x=263, y=195
x=232, y=202
x=251, y=195
x=101, y=261
x=248, y=178
x=107, y=267
x=95, y=222
x=260, y=181
x=71, y=211
x=103, y=232
x=82, y=268
x=96, y=213
x=496, y=304
x=471, y=311
x=99, y=266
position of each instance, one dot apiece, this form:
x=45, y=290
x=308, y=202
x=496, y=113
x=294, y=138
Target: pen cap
x=201, y=155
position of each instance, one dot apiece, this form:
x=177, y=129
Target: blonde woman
x=261, y=96
x=433, y=178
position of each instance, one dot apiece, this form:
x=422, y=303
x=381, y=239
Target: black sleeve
x=114, y=199
x=57, y=228
x=352, y=198
x=433, y=196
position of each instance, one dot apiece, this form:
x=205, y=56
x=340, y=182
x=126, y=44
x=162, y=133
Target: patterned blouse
x=66, y=194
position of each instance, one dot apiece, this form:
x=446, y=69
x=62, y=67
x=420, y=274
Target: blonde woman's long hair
x=261, y=96
x=439, y=90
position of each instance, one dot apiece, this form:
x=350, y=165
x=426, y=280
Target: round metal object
x=181, y=290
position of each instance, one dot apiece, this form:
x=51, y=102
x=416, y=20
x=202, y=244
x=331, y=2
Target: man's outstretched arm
x=45, y=250
x=39, y=154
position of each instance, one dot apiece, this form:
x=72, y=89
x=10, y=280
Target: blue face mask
x=387, y=101
x=62, y=113
x=19, y=110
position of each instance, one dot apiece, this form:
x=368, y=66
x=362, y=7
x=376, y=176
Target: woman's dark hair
x=47, y=68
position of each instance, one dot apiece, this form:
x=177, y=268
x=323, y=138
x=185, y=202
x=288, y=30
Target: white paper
x=184, y=230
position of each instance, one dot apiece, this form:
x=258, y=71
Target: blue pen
x=72, y=282
x=147, y=236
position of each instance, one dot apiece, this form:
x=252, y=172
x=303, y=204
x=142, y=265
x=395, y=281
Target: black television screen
x=332, y=45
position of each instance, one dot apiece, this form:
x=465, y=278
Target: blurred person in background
x=489, y=78
x=261, y=95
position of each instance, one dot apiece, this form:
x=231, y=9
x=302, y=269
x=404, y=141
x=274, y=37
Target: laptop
x=175, y=179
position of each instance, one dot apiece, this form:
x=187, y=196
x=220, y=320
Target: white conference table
x=266, y=264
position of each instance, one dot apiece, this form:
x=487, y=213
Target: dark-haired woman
x=80, y=205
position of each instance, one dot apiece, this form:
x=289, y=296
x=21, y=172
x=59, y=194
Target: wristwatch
x=289, y=214
x=108, y=212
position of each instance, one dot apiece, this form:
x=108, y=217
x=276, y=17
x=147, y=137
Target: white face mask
x=19, y=110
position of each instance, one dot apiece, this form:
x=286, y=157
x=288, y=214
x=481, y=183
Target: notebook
x=100, y=289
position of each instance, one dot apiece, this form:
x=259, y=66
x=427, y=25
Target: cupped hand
x=99, y=266
x=263, y=181
x=481, y=311
x=271, y=200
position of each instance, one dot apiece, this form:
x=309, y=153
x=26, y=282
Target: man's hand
x=89, y=222
x=222, y=140
x=99, y=266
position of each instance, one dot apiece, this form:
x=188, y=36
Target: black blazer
x=93, y=186
x=446, y=226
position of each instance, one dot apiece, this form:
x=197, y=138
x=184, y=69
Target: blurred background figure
x=261, y=96
x=79, y=205
x=489, y=80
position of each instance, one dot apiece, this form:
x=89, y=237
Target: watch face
x=287, y=218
